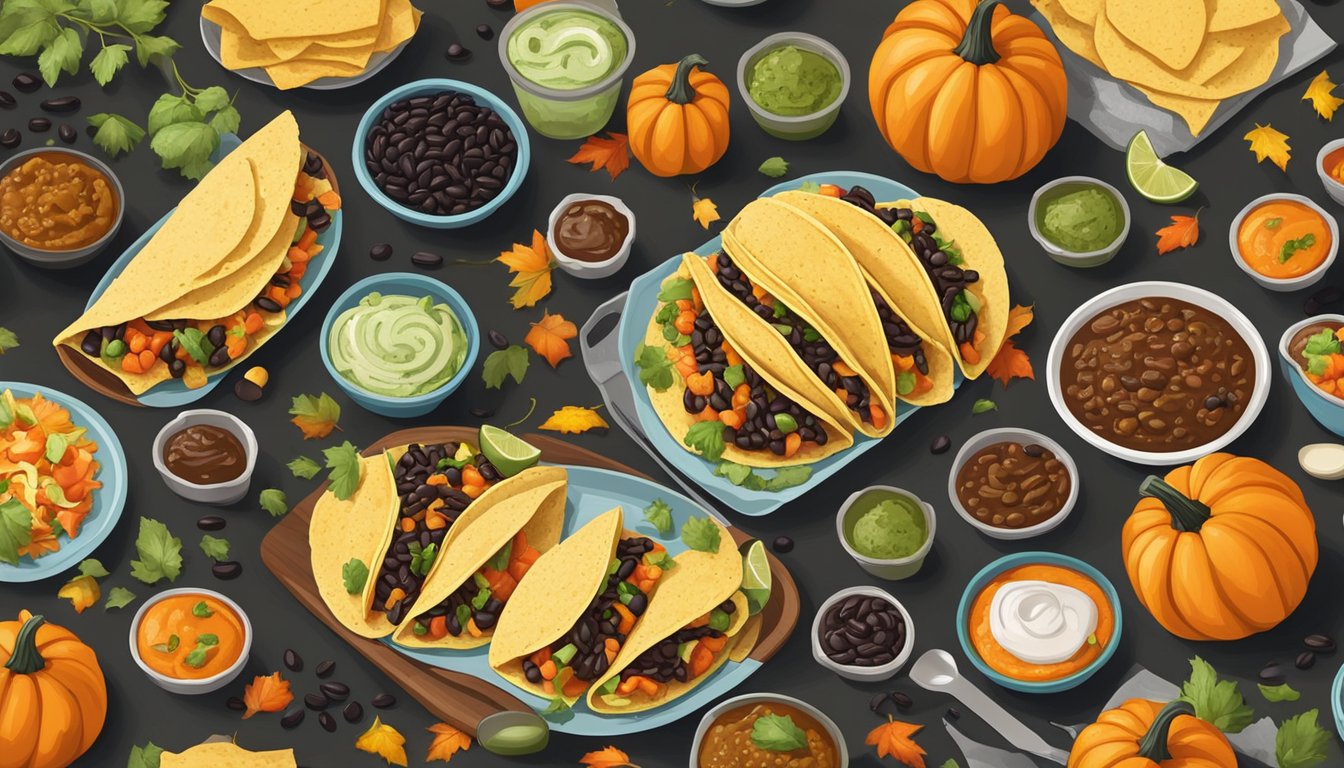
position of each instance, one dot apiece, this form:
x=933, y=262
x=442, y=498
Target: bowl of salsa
x=1284, y=242
x=1330, y=167
x=793, y=84
x=1311, y=355
x=767, y=729
x=190, y=640
x=206, y=456
x=1079, y=221
x=58, y=207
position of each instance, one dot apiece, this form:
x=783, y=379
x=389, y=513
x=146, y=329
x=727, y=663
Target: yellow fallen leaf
x=1019, y=317
x=1321, y=95
x=704, y=211
x=532, y=266
x=447, y=741
x=1269, y=143
x=384, y=741
x=574, y=419
x=81, y=591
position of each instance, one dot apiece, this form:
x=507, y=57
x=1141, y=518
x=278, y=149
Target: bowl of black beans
x=862, y=633
x=441, y=153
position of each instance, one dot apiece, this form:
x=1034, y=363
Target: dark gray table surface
x=37, y=303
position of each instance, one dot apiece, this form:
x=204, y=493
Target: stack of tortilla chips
x=299, y=42
x=1186, y=56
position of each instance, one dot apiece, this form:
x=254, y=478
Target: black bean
x=268, y=304
x=325, y=668
x=227, y=570
x=498, y=340
x=426, y=259
x=384, y=701
x=211, y=523
x=482, y=413
x=236, y=704
x=380, y=251
x=292, y=718
x=1034, y=450
x=247, y=390
x=39, y=125
x=1271, y=674
x=327, y=722
x=484, y=31
x=1319, y=643
x=1305, y=660
x=1322, y=299
x=353, y=712
x=901, y=700
x=953, y=713
x=457, y=52
x=61, y=104
x=315, y=701
x=10, y=138
x=877, y=701
x=67, y=133
x=293, y=660
x=499, y=3
x=940, y=444
x=7, y=100
x=336, y=691
x=27, y=82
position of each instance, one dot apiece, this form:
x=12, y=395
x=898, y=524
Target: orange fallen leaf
x=1010, y=363
x=384, y=741
x=704, y=211
x=1266, y=142
x=607, y=757
x=81, y=591
x=550, y=338
x=532, y=267
x=574, y=420
x=316, y=416
x=1019, y=317
x=611, y=154
x=1322, y=97
x=1182, y=232
x=896, y=739
x=447, y=741
x=266, y=693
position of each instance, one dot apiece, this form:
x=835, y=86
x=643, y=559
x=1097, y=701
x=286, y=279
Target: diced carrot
x=574, y=686
x=652, y=572
x=700, y=622
x=519, y=544
x=437, y=480
x=547, y=687
x=841, y=369
x=792, y=442
x=611, y=645
x=708, y=414
x=540, y=656
x=136, y=342
x=407, y=525
x=877, y=414
x=236, y=345
x=648, y=687
x=518, y=569
x=713, y=260
x=701, y=659
x=628, y=685
x=435, y=520
x=395, y=596
x=684, y=305
x=501, y=583
x=701, y=383
x=831, y=190
x=307, y=239
x=685, y=361
x=438, y=627
x=685, y=322
x=473, y=491
x=730, y=354
x=294, y=291
x=1339, y=333
x=741, y=396
x=331, y=200
x=646, y=585
x=903, y=362
x=298, y=270
x=732, y=419
x=474, y=630
x=759, y=292
x=527, y=555
x=969, y=353
x=140, y=326
x=131, y=364
x=916, y=224
x=548, y=669
x=253, y=322
x=147, y=359
x=922, y=384
x=297, y=255
x=471, y=475
x=627, y=622
x=159, y=341
x=277, y=294
x=714, y=644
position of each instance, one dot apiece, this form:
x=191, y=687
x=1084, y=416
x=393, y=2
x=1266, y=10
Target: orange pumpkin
x=677, y=117
x=52, y=695
x=972, y=93
x=1221, y=549
x=1148, y=734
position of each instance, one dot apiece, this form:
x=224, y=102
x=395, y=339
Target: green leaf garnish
x=343, y=461
x=215, y=548
x=659, y=515
x=160, y=553
x=354, y=575
x=777, y=733
x=774, y=167
x=304, y=467
x=701, y=534
x=274, y=501
x=502, y=363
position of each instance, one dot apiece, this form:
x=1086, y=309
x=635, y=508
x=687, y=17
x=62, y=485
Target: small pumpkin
x=53, y=698
x=1148, y=734
x=677, y=118
x=973, y=93
x=1221, y=549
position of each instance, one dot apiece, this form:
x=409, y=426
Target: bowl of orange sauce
x=1330, y=167
x=191, y=640
x=1285, y=242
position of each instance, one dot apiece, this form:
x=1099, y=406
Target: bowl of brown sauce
x=591, y=235
x=767, y=729
x=58, y=207
x=206, y=456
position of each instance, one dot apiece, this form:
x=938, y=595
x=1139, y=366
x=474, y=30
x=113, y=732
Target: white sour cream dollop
x=1040, y=622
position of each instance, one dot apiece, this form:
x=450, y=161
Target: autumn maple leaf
x=607, y=757
x=266, y=693
x=1010, y=362
x=896, y=739
x=532, y=266
x=574, y=420
x=1321, y=95
x=550, y=337
x=81, y=591
x=384, y=741
x=1266, y=142
x=704, y=211
x=1182, y=232
x=316, y=415
x=611, y=154
x=447, y=742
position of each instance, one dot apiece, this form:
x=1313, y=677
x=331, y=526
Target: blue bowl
x=406, y=284
x=1337, y=701
x=1326, y=409
x=438, y=85
x=1009, y=562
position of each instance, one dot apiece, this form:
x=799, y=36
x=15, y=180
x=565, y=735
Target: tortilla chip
x=358, y=528
x=1233, y=14
x=300, y=72
x=225, y=755
x=239, y=51
x=266, y=19
x=1195, y=112
x=1169, y=30
x=1084, y=11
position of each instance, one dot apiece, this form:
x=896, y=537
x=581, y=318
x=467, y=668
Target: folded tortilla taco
x=731, y=387
x=925, y=371
x=796, y=276
x=226, y=754
x=690, y=630
x=212, y=284
x=578, y=605
x=344, y=537
x=482, y=564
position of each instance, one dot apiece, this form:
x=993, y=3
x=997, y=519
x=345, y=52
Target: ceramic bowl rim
x=778, y=39
x=1287, y=338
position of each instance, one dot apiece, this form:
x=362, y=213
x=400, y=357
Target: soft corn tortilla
x=360, y=528
x=533, y=503
x=267, y=19
x=859, y=231
x=700, y=582
x=769, y=355
x=552, y=596
x=225, y=755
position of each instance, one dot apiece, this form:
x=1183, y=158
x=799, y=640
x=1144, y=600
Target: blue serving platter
x=1337, y=701
x=173, y=393
x=642, y=302
x=108, y=500
x=592, y=492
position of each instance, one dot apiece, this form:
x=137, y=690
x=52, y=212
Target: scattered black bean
x=953, y=713
x=499, y=3
x=61, y=104
x=1271, y=674
x=336, y=691
x=353, y=712
x=67, y=133
x=482, y=413
x=498, y=340
x=327, y=722
x=426, y=259
x=227, y=570
x=293, y=660
x=325, y=668
x=7, y=100
x=940, y=444
x=783, y=544
x=236, y=704
x=1305, y=660
x=27, y=82
x=39, y=125
x=10, y=138
x=1319, y=301
x=877, y=701
x=1319, y=643
x=458, y=52
x=384, y=701
x=315, y=701
x=91, y=131
x=292, y=718
x=901, y=700
x=380, y=251
x=485, y=31
x=211, y=523
x=247, y=391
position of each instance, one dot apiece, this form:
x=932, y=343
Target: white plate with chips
x=212, y=32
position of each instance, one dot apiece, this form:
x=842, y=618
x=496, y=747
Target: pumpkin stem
x=26, y=659
x=1154, y=744
x=680, y=91
x=1187, y=515
x=977, y=45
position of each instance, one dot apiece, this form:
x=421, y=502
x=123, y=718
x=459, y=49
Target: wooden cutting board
x=455, y=698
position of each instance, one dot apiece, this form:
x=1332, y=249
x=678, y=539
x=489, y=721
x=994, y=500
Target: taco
x=925, y=371
x=569, y=618
x=692, y=628
x=936, y=252
x=730, y=387
x=344, y=538
x=799, y=279
x=212, y=284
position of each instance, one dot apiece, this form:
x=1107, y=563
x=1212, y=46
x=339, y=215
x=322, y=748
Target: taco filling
x=583, y=654
x=475, y=606
x=435, y=484
x=942, y=263
x=815, y=352
x=682, y=656
x=192, y=349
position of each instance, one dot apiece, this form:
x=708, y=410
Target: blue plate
x=1337, y=701
x=108, y=501
x=1009, y=562
x=173, y=393
x=592, y=492
x=640, y=305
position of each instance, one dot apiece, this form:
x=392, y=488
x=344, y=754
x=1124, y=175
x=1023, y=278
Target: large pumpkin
x=975, y=94
x=1148, y=734
x=52, y=695
x=1221, y=549
x=677, y=117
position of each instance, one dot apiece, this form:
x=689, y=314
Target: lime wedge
x=1153, y=178
x=509, y=454
x=755, y=577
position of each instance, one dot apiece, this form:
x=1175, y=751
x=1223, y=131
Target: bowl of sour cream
x=1039, y=622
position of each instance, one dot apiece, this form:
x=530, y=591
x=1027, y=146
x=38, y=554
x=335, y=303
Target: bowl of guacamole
x=887, y=530
x=1080, y=221
x=399, y=343
x=793, y=83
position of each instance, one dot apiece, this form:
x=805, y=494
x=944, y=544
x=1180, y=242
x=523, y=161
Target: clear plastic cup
x=568, y=113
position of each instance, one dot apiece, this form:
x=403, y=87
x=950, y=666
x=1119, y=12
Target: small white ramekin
x=591, y=270
x=1284, y=284
x=1063, y=255
x=1333, y=187
x=1026, y=437
x=851, y=672
x=893, y=569
x=213, y=493
x=205, y=684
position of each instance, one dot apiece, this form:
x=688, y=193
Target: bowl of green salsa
x=1080, y=221
x=888, y=531
x=793, y=84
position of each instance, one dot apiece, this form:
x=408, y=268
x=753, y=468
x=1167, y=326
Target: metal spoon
x=1323, y=461
x=936, y=670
